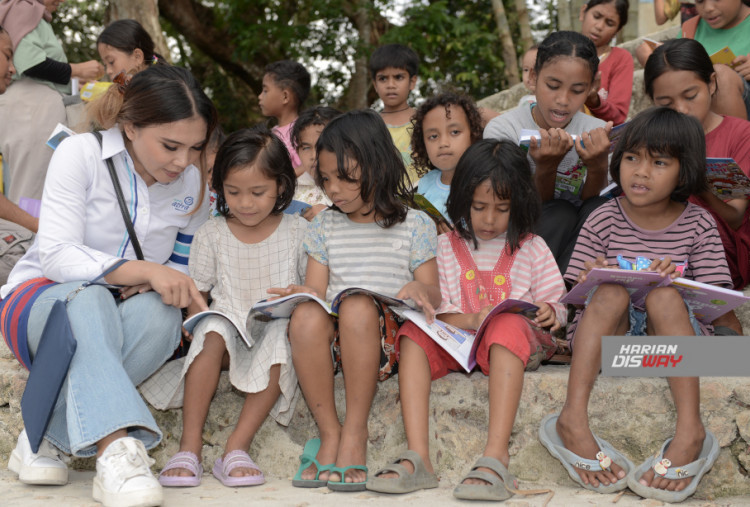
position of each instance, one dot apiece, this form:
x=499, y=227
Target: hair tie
x=122, y=80
x=154, y=60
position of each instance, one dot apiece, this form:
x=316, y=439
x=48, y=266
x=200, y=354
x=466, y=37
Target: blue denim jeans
x=120, y=344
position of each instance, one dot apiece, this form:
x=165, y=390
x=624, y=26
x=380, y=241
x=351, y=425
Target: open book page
x=727, y=179
x=282, y=308
x=707, y=301
x=191, y=322
x=462, y=344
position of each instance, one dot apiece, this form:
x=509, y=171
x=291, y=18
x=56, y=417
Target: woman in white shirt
x=158, y=124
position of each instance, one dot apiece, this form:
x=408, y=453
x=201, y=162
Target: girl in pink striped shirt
x=489, y=257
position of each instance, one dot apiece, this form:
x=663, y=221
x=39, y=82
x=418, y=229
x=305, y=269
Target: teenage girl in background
x=125, y=46
x=680, y=75
x=609, y=98
x=566, y=65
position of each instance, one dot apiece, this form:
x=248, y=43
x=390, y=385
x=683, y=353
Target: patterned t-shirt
x=367, y=255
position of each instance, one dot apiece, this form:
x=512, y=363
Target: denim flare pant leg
x=120, y=344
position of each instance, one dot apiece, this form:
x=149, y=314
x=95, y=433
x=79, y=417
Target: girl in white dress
x=236, y=257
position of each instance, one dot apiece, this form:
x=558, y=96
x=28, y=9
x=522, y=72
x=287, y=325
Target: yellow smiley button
x=499, y=280
x=470, y=274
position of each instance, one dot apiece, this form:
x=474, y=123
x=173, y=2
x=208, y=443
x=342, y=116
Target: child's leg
x=505, y=385
x=414, y=381
x=310, y=334
x=256, y=408
x=359, y=333
x=201, y=381
x=605, y=315
x=668, y=316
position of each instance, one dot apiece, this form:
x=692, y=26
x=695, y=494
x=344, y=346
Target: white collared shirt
x=81, y=229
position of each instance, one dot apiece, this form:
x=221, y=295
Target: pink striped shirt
x=534, y=275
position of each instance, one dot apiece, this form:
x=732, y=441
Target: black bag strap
x=121, y=201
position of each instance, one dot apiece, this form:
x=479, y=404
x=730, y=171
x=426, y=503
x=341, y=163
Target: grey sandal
x=405, y=482
x=498, y=488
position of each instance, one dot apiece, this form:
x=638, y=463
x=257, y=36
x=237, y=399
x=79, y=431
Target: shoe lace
x=130, y=459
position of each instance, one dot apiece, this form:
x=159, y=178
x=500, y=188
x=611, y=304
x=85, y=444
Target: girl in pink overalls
x=490, y=256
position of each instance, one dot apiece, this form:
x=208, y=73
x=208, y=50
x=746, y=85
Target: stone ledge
x=636, y=415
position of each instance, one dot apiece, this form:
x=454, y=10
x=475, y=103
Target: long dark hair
x=127, y=35
x=505, y=166
x=678, y=54
x=362, y=137
x=664, y=131
x=257, y=147
x=567, y=43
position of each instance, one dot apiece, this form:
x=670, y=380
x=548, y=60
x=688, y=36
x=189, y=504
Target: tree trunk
x=146, y=12
x=564, y=15
x=194, y=22
x=509, y=50
x=524, y=24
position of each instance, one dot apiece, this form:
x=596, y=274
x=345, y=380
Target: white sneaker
x=123, y=477
x=45, y=467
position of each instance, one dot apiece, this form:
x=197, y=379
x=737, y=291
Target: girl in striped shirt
x=659, y=162
x=491, y=256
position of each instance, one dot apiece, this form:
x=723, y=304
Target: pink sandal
x=233, y=460
x=188, y=461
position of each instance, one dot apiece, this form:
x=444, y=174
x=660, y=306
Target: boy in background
x=393, y=68
x=286, y=85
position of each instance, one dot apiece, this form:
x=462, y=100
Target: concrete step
x=635, y=414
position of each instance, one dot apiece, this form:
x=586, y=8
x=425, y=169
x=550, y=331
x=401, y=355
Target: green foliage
x=78, y=23
x=458, y=43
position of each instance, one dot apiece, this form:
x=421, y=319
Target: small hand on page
x=599, y=262
x=545, y=317
x=481, y=315
x=417, y=292
x=664, y=267
x=289, y=290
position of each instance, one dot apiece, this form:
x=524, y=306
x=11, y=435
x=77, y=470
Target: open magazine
x=727, y=179
x=460, y=343
x=190, y=324
x=282, y=308
x=708, y=302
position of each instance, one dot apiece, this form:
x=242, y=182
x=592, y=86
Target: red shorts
x=531, y=344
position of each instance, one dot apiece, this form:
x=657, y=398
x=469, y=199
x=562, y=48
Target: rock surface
x=634, y=414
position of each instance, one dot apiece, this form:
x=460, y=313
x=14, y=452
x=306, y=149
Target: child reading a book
x=236, y=257
x=566, y=65
x=609, y=98
x=658, y=162
x=680, y=75
x=444, y=127
x=492, y=255
x=305, y=134
x=286, y=85
x=393, y=69
x=368, y=239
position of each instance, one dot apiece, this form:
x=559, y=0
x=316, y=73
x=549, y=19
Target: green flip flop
x=342, y=485
x=308, y=458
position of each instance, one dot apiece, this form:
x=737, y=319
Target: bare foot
x=505, y=460
x=409, y=468
x=684, y=448
x=352, y=451
x=577, y=438
x=327, y=454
